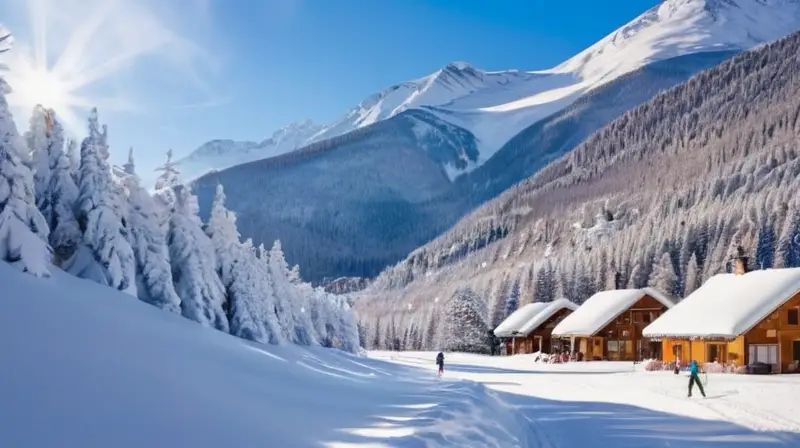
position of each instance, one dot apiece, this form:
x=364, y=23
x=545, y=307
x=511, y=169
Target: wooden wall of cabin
x=782, y=329
x=623, y=339
x=545, y=330
x=702, y=351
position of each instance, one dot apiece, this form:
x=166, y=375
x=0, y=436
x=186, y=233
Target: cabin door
x=796, y=354
x=537, y=344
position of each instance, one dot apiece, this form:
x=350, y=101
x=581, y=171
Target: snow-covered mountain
x=496, y=105
x=471, y=133
x=221, y=154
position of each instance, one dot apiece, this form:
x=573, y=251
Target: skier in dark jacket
x=440, y=362
x=694, y=378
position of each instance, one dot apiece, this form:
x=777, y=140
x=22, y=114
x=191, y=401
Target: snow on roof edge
x=552, y=308
x=654, y=293
x=783, y=285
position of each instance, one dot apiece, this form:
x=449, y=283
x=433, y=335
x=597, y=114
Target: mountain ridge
x=496, y=105
x=381, y=211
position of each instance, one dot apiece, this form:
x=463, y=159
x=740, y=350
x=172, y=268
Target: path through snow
x=614, y=404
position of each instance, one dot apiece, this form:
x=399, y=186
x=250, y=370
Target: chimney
x=740, y=267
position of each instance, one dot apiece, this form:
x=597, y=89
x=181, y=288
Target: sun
x=37, y=86
x=34, y=84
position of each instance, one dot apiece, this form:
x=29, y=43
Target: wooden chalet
x=608, y=326
x=736, y=319
x=528, y=330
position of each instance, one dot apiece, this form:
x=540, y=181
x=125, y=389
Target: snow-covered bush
x=651, y=365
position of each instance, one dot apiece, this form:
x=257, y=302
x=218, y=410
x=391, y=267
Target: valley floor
x=610, y=404
x=82, y=365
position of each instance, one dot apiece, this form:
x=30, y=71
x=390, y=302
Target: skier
x=440, y=362
x=694, y=378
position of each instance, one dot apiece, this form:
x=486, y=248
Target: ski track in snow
x=643, y=408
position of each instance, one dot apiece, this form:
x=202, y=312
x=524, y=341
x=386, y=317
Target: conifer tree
x=98, y=213
x=153, y=273
x=194, y=264
x=23, y=229
x=250, y=304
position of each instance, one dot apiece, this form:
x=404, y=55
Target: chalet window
x=637, y=317
x=625, y=333
x=794, y=316
x=716, y=352
x=646, y=318
x=766, y=353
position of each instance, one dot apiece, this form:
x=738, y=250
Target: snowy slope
x=86, y=366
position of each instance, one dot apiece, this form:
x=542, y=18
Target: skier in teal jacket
x=695, y=378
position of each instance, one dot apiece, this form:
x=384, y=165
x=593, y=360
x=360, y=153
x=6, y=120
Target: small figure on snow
x=677, y=366
x=695, y=378
x=440, y=362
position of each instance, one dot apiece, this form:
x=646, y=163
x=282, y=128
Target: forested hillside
x=354, y=204
x=662, y=196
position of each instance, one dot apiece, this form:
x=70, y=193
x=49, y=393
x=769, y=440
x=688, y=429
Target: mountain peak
x=676, y=27
x=458, y=66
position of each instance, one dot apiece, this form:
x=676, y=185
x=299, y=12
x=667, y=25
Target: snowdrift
x=87, y=366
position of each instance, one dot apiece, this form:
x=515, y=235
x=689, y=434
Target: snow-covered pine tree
x=166, y=182
x=194, y=264
x=637, y=278
x=663, y=277
x=693, y=279
x=463, y=326
x=44, y=136
x=74, y=157
x=153, y=273
x=294, y=274
x=346, y=326
x=512, y=299
x=98, y=214
x=789, y=241
x=292, y=306
x=250, y=312
x=57, y=193
x=23, y=229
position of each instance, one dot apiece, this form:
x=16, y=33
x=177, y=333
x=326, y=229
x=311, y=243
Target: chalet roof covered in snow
x=546, y=313
x=514, y=323
x=602, y=308
x=727, y=305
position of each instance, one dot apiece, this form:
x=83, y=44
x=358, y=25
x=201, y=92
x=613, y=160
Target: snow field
x=86, y=366
x=619, y=404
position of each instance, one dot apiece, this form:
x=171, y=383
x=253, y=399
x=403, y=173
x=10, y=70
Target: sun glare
x=39, y=86
x=74, y=55
x=32, y=86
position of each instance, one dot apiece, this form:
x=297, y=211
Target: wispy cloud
x=207, y=104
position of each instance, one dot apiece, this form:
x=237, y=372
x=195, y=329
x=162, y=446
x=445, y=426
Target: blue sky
x=242, y=68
